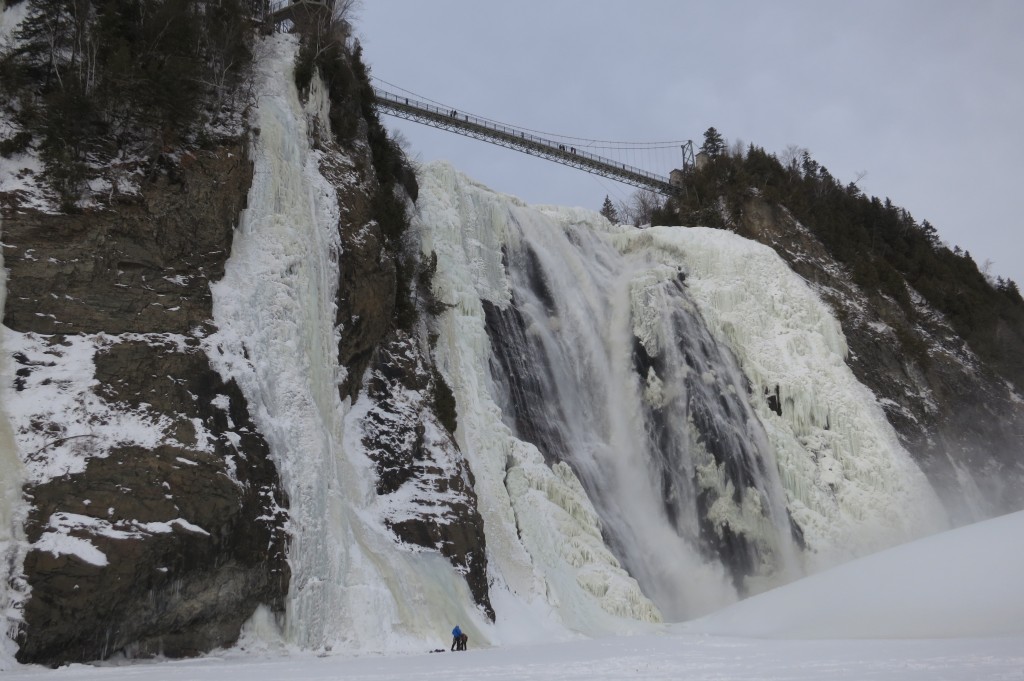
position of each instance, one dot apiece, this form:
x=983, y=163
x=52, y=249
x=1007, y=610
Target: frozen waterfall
x=625, y=361
x=639, y=448
x=352, y=585
x=12, y=506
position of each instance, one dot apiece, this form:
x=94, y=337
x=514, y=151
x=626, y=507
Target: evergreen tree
x=608, y=210
x=714, y=144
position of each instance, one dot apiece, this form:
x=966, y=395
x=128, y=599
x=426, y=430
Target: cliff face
x=164, y=541
x=960, y=419
x=156, y=519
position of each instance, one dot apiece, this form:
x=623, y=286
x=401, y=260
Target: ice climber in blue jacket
x=458, y=639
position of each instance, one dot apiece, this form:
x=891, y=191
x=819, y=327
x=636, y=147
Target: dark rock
x=411, y=448
x=366, y=294
x=191, y=529
x=144, y=267
x=170, y=587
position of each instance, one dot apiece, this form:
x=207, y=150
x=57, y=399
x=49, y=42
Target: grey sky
x=927, y=96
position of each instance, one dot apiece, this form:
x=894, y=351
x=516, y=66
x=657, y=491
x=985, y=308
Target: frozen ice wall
x=541, y=347
x=850, y=485
x=586, y=356
x=551, y=568
x=353, y=586
x=12, y=508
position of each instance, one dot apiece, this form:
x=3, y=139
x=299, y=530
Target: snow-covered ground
x=965, y=583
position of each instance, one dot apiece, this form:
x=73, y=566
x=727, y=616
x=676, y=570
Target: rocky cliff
x=165, y=542
x=157, y=519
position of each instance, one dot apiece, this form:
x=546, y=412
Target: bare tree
x=640, y=208
x=624, y=210
x=403, y=143
x=738, y=149
x=791, y=155
x=345, y=12
x=986, y=271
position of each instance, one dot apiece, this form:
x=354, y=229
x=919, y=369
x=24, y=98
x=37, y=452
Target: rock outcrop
x=420, y=465
x=384, y=307
x=142, y=266
x=158, y=546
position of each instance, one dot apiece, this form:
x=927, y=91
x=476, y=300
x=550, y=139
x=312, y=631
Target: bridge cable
x=627, y=145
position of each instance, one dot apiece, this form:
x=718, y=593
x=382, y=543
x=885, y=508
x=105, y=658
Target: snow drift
x=960, y=583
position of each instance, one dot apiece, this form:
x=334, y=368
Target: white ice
x=544, y=540
x=962, y=589
x=12, y=506
x=850, y=484
x=353, y=585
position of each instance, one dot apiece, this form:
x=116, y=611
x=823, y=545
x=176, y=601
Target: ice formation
x=850, y=485
x=635, y=365
x=12, y=509
x=658, y=421
x=352, y=585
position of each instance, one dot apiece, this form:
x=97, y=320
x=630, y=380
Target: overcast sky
x=926, y=96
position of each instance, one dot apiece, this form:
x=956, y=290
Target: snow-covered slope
x=961, y=583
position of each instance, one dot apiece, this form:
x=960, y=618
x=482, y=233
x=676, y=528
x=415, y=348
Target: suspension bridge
x=574, y=152
x=570, y=151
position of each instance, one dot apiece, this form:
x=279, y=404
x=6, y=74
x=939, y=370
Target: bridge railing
x=519, y=136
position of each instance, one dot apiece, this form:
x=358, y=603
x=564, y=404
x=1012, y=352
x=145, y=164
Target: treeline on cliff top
x=882, y=245
x=327, y=49
x=87, y=80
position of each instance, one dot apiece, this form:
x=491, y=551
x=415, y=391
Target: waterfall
x=353, y=586
x=850, y=485
x=600, y=348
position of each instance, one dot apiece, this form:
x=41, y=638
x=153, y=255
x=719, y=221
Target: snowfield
x=964, y=583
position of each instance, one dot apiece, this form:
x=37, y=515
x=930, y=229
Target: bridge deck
x=521, y=140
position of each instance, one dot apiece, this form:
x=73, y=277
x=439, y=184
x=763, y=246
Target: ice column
x=12, y=508
x=353, y=586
